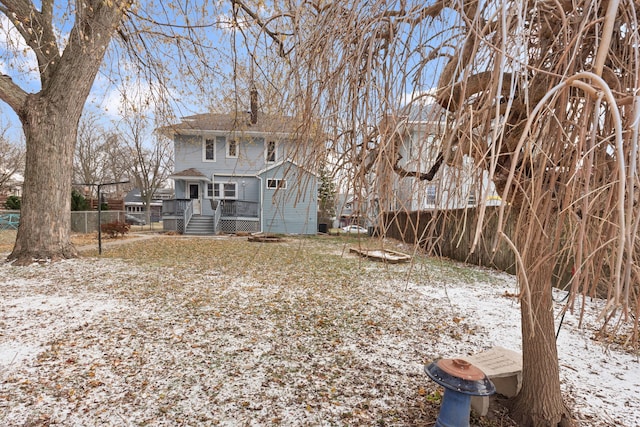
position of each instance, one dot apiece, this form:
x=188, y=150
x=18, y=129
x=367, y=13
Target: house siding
x=180, y=189
x=454, y=186
x=251, y=153
x=247, y=187
x=292, y=210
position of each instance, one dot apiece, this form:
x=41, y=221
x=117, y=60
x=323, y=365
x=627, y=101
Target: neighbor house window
x=225, y=190
x=271, y=153
x=432, y=192
x=232, y=148
x=277, y=183
x=209, y=150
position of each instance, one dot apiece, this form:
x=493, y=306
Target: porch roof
x=191, y=173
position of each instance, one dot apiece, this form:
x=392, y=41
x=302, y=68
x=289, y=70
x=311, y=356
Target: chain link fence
x=87, y=221
x=9, y=220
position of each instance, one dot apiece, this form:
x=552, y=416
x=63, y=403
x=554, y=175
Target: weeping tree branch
x=428, y=176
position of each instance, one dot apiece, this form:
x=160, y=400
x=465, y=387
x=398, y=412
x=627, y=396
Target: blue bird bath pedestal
x=460, y=380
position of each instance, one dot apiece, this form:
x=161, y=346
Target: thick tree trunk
x=539, y=403
x=50, y=118
x=45, y=220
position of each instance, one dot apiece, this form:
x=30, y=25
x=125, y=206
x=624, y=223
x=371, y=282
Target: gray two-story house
x=241, y=173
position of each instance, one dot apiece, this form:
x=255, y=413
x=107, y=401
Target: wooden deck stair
x=200, y=226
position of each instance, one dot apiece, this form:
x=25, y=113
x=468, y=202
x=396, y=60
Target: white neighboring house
x=134, y=204
x=349, y=211
x=11, y=185
x=452, y=187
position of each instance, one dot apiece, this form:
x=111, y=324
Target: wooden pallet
x=383, y=255
x=265, y=238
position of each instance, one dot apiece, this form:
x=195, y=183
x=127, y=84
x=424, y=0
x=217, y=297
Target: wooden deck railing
x=240, y=208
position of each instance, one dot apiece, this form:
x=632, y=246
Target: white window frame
x=228, y=146
x=219, y=189
x=209, y=191
x=276, y=184
x=204, y=148
x=275, y=152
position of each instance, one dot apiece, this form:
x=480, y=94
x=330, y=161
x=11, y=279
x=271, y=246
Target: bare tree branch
x=11, y=93
x=428, y=176
x=36, y=28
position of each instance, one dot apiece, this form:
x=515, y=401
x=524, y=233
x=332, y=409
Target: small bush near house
x=13, y=203
x=113, y=229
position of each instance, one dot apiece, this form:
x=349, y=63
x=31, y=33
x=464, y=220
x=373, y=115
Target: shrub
x=113, y=229
x=13, y=203
x=78, y=202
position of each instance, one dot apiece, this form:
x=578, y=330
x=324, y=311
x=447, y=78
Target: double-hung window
x=277, y=184
x=232, y=148
x=432, y=193
x=271, y=152
x=209, y=150
x=225, y=190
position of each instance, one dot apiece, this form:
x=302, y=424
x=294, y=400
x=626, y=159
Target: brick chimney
x=254, y=104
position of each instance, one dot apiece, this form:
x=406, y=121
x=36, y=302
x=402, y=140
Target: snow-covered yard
x=174, y=331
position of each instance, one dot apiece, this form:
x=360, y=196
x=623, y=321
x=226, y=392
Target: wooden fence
x=450, y=234
x=112, y=204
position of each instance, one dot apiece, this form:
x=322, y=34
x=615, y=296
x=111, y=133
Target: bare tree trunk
x=539, y=403
x=45, y=220
x=50, y=117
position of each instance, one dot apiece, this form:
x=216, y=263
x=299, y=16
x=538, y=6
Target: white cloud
x=116, y=93
x=17, y=60
x=135, y=96
x=9, y=35
x=425, y=97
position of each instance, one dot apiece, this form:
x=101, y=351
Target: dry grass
x=177, y=331
x=8, y=238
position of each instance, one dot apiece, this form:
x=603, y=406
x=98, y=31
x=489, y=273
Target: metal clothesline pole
x=102, y=184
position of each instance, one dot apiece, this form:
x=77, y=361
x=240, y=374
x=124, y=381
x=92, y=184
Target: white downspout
x=261, y=204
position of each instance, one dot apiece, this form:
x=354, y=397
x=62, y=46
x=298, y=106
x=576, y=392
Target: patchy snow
x=111, y=342
x=600, y=382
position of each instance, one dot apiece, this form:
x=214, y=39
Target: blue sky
x=119, y=76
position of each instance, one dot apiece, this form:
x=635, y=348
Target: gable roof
x=234, y=122
x=281, y=163
x=190, y=173
x=134, y=197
